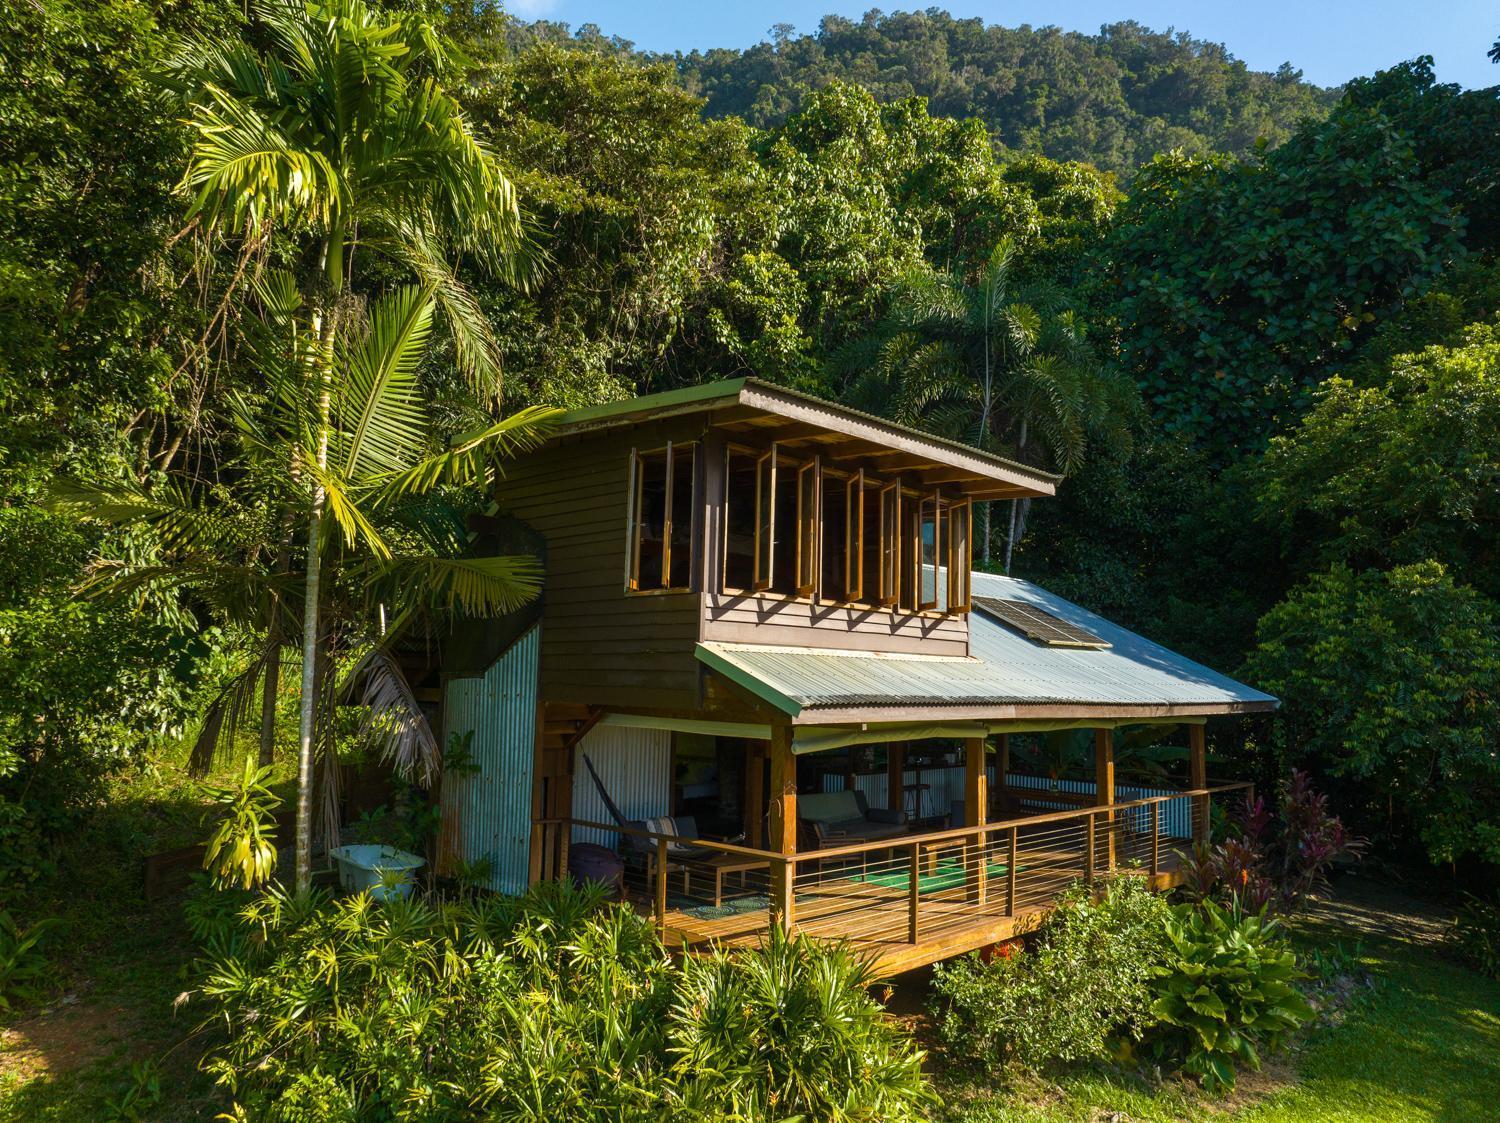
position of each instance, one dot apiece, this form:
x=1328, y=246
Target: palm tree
x=1003, y=367
x=397, y=542
x=339, y=136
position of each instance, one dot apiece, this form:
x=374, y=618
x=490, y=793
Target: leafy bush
x=550, y=1007
x=1476, y=934
x=790, y=1030
x=22, y=964
x=1226, y=990
x=241, y=850
x=1387, y=681
x=89, y=687
x=1272, y=860
x=1087, y=982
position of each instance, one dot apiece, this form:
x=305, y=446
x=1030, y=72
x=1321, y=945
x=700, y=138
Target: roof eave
x=1023, y=711
x=796, y=406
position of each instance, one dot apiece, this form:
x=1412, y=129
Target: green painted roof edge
x=728, y=389
x=688, y=395
x=739, y=676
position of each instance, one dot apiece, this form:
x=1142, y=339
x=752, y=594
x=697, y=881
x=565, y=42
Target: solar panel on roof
x=1037, y=624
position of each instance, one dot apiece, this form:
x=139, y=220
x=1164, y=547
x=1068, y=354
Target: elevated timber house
x=763, y=685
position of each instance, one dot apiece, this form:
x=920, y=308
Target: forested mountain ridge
x=1113, y=99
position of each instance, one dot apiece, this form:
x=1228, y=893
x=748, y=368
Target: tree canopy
x=1112, y=99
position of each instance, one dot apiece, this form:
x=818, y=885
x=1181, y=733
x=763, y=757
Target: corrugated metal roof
x=1003, y=668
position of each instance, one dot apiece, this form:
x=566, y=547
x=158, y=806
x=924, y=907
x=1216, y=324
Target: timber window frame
x=854, y=537
x=809, y=536
x=889, y=589
x=929, y=509
x=764, y=569
x=960, y=555
x=820, y=532
x=662, y=501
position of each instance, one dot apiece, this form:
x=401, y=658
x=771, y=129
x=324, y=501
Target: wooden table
x=722, y=864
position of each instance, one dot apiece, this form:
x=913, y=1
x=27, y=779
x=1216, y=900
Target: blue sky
x=1329, y=40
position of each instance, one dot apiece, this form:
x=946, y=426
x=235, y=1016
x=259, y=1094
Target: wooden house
x=765, y=679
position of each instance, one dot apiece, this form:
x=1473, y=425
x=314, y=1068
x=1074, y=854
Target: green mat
x=948, y=873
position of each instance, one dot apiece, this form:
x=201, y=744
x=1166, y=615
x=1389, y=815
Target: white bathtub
x=383, y=870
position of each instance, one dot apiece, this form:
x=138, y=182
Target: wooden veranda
x=914, y=900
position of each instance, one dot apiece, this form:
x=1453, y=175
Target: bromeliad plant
x=1269, y=858
x=1226, y=991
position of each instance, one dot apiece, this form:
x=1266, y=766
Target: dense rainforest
x=1253, y=321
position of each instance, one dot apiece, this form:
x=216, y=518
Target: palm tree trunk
x=322, y=325
x=1015, y=517
x=269, y=687
x=309, y=700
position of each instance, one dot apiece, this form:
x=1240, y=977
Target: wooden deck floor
x=876, y=920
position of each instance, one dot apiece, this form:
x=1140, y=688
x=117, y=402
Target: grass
x=119, y=964
x=1421, y=1042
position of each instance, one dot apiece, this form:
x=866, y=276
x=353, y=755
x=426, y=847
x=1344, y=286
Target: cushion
x=829, y=807
x=859, y=830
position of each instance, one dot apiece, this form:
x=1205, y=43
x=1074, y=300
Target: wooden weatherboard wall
x=602, y=646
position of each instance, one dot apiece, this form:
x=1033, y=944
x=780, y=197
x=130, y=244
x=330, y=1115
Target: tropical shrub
x=242, y=849
x=1087, y=982
x=789, y=1030
x=1387, y=681
x=1226, y=990
x=22, y=963
x=1475, y=934
x=1272, y=859
x=549, y=1007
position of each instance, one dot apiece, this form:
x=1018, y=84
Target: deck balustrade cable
x=908, y=891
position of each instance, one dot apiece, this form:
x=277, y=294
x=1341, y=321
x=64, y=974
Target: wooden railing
x=915, y=888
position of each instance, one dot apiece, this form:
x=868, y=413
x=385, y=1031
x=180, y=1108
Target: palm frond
x=245, y=170
x=344, y=508
x=478, y=587
x=393, y=721
x=222, y=718
x=179, y=518
x=477, y=349
x=470, y=459
x=380, y=418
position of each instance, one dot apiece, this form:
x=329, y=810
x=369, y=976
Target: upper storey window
x=659, y=546
x=797, y=526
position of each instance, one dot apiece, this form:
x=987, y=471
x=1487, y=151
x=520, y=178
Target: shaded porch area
x=932, y=886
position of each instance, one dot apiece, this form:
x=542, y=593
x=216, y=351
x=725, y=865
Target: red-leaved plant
x=1271, y=860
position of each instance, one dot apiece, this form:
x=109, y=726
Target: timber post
x=1104, y=788
x=895, y=776
x=1198, y=780
x=783, y=818
x=976, y=812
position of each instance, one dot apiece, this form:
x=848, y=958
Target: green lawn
x=1422, y=1042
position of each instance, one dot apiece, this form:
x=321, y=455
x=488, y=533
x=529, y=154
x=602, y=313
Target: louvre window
x=660, y=543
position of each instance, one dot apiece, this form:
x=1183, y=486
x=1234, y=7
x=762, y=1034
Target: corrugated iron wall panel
x=491, y=807
x=635, y=766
